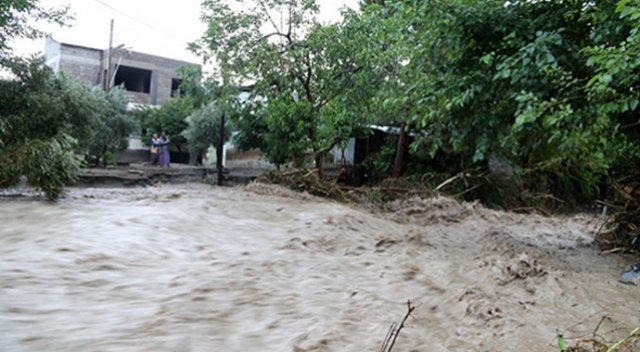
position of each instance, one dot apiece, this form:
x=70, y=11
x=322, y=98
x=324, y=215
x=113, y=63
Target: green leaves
x=113, y=126
x=203, y=127
x=287, y=136
x=310, y=80
x=627, y=10
x=47, y=122
x=545, y=85
x=487, y=78
x=169, y=118
x=50, y=163
x=17, y=18
x=562, y=343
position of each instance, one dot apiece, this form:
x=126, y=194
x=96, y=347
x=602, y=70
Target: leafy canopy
x=42, y=119
x=16, y=17
x=300, y=73
x=510, y=80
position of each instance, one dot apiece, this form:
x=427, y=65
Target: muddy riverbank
x=141, y=175
x=260, y=268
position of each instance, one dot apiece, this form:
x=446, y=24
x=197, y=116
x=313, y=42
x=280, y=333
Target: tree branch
x=309, y=71
x=266, y=12
x=290, y=20
x=305, y=81
x=326, y=101
x=394, y=331
x=267, y=36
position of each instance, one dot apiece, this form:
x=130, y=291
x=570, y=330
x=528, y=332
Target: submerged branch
x=394, y=330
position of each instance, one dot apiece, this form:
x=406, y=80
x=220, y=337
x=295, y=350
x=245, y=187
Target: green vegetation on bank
x=49, y=124
x=542, y=87
x=547, y=90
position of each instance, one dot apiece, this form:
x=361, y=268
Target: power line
x=182, y=40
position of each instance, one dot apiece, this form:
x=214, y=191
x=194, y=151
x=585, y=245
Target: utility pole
x=109, y=68
x=219, y=152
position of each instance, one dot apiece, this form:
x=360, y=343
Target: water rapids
x=258, y=268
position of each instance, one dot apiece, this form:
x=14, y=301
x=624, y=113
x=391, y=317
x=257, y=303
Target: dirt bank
x=195, y=268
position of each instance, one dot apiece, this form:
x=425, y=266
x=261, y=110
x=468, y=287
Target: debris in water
x=631, y=276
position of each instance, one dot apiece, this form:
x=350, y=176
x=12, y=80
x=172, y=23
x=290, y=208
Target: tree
x=16, y=17
x=41, y=116
x=114, y=126
x=614, y=86
x=169, y=118
x=48, y=123
x=547, y=87
x=203, y=128
x=42, y=119
x=299, y=68
x=489, y=78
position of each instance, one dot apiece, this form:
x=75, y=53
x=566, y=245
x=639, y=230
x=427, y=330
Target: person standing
x=165, y=157
x=155, y=150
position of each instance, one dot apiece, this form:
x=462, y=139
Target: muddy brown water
x=195, y=268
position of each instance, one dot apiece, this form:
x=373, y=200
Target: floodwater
x=195, y=268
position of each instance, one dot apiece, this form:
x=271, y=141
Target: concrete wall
x=163, y=71
x=82, y=63
x=88, y=65
x=52, y=54
x=140, y=98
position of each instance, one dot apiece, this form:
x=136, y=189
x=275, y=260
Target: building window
x=175, y=87
x=134, y=79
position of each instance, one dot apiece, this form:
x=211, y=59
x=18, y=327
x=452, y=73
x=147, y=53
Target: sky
x=150, y=26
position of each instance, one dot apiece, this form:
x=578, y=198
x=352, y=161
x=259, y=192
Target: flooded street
x=195, y=268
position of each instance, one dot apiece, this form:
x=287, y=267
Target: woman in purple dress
x=165, y=159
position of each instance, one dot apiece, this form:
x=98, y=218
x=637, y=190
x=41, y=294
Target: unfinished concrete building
x=148, y=79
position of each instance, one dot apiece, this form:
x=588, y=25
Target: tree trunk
x=319, y=166
x=219, y=152
x=401, y=150
x=101, y=157
x=193, y=158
